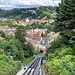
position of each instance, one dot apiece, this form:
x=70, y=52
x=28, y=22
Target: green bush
x=63, y=66
x=7, y=66
x=1, y=51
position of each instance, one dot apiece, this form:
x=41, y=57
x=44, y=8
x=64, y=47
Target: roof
x=55, y=35
x=10, y=33
x=34, y=44
x=1, y=38
x=47, y=38
x=34, y=36
x=28, y=40
x=32, y=21
x=7, y=30
x=4, y=27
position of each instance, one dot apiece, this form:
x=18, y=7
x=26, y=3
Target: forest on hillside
x=43, y=12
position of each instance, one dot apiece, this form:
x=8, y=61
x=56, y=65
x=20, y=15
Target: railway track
x=31, y=69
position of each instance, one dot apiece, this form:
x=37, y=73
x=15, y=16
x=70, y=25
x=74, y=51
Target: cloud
x=17, y=3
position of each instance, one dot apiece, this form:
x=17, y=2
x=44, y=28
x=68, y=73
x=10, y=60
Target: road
x=33, y=68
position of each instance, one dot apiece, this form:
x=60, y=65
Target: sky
x=9, y=4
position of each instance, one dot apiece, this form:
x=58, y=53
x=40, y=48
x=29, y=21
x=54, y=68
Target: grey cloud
x=27, y=3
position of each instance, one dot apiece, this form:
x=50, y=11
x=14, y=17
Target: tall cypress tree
x=65, y=19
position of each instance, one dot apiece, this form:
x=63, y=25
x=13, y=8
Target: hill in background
x=42, y=12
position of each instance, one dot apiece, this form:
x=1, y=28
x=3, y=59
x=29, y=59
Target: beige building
x=27, y=20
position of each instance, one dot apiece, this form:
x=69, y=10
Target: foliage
x=15, y=49
x=2, y=34
x=60, y=59
x=7, y=66
x=65, y=19
x=61, y=53
x=7, y=23
x=56, y=43
x=28, y=50
x=26, y=61
x=63, y=66
x=11, y=49
x=32, y=13
x=36, y=50
x=9, y=37
x=20, y=33
x=42, y=26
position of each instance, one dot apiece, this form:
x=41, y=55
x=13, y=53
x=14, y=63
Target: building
x=1, y=38
x=34, y=36
x=28, y=22
x=7, y=30
x=37, y=30
x=46, y=40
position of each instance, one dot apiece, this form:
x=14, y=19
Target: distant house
x=1, y=38
x=28, y=22
x=34, y=36
x=51, y=20
x=41, y=47
x=46, y=40
x=37, y=30
x=4, y=28
x=40, y=30
x=4, y=19
x=55, y=35
x=7, y=30
x=29, y=31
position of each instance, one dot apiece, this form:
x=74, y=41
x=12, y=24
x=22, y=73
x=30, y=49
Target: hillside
x=7, y=66
x=43, y=12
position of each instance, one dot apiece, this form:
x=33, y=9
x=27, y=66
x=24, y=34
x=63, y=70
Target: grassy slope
x=46, y=12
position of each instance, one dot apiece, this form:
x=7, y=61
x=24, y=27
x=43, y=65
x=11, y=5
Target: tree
x=20, y=33
x=2, y=34
x=65, y=19
x=8, y=37
x=28, y=50
x=13, y=48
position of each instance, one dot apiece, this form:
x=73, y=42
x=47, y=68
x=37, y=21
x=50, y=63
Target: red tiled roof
x=34, y=36
x=4, y=27
x=1, y=38
x=7, y=30
x=28, y=40
x=32, y=21
x=34, y=44
x=55, y=35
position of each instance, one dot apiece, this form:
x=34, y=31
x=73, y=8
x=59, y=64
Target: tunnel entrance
x=41, y=51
